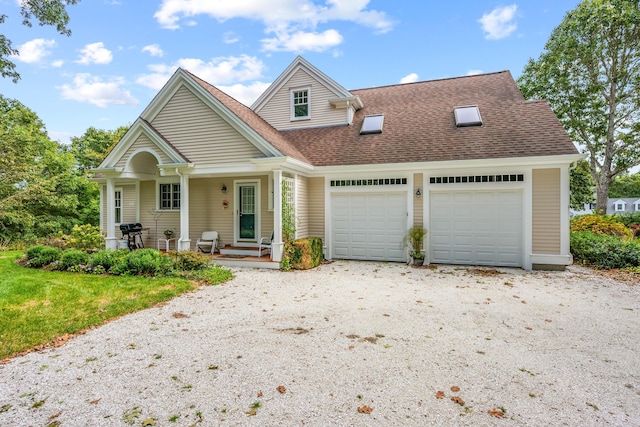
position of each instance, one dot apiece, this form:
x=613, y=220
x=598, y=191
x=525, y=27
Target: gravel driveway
x=351, y=344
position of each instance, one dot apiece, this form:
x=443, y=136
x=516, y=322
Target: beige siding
x=128, y=206
x=302, y=207
x=148, y=215
x=266, y=217
x=546, y=211
x=278, y=110
x=142, y=142
x=316, y=207
x=418, y=204
x=202, y=135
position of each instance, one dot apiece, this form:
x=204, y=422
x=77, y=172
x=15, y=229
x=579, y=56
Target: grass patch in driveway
x=38, y=307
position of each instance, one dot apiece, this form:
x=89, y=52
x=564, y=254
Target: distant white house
x=614, y=206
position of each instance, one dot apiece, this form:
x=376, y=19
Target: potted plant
x=414, y=239
x=225, y=204
x=168, y=233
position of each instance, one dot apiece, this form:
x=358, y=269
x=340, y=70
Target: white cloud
x=287, y=19
x=302, y=41
x=230, y=37
x=474, y=72
x=57, y=63
x=246, y=94
x=92, y=89
x=153, y=50
x=409, y=78
x=95, y=53
x=499, y=23
x=218, y=71
x=35, y=50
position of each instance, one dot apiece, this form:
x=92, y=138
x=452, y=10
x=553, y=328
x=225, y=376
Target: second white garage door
x=369, y=226
x=476, y=227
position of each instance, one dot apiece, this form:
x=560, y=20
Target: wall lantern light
x=223, y=189
x=418, y=193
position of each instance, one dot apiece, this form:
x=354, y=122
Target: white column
x=111, y=241
x=184, y=243
x=277, y=246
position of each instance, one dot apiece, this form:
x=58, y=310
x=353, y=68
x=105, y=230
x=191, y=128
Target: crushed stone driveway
x=351, y=344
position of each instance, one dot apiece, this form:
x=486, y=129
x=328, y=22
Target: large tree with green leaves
x=582, y=186
x=93, y=146
x=625, y=186
x=46, y=12
x=41, y=189
x=589, y=73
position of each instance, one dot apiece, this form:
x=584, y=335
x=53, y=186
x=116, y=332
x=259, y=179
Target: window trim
x=621, y=204
x=292, y=111
x=115, y=205
x=172, y=183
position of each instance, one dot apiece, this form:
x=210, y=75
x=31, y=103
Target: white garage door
x=369, y=226
x=476, y=227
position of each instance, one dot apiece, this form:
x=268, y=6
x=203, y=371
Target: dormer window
x=300, y=104
x=619, y=206
x=467, y=116
x=372, y=124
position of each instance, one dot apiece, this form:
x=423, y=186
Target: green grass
x=37, y=306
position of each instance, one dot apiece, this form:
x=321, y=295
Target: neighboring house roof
x=257, y=123
x=419, y=125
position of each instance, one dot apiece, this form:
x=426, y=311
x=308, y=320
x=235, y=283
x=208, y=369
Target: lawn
x=38, y=306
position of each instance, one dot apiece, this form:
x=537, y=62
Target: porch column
x=277, y=245
x=111, y=241
x=184, y=243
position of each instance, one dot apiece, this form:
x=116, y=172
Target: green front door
x=247, y=212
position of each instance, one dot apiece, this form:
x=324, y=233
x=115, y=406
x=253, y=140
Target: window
x=169, y=196
x=118, y=206
x=372, y=124
x=300, y=104
x=467, y=116
x=619, y=207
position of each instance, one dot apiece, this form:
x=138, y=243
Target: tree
x=590, y=75
x=582, y=186
x=625, y=186
x=47, y=12
x=92, y=147
x=41, y=190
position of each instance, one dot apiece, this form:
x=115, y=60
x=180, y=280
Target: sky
x=121, y=52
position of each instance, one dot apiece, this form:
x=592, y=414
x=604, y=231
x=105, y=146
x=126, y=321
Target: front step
x=243, y=251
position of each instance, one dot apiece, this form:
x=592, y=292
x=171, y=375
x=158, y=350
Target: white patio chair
x=265, y=243
x=208, y=242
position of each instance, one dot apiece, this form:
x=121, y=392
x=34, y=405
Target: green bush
x=605, y=225
x=107, y=258
x=41, y=255
x=74, y=258
x=604, y=252
x=189, y=260
x=144, y=262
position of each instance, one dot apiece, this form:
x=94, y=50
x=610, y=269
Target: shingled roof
x=419, y=125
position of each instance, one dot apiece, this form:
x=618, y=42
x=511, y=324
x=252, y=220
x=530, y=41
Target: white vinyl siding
x=476, y=227
x=203, y=136
x=278, y=110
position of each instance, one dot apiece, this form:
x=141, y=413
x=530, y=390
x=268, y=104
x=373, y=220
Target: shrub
x=108, y=258
x=604, y=252
x=189, y=260
x=74, y=258
x=304, y=254
x=605, y=225
x=144, y=262
x=41, y=255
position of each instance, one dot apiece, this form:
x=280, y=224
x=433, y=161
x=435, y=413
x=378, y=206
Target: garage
x=476, y=227
x=369, y=226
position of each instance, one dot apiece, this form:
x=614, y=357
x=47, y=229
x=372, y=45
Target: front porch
x=234, y=256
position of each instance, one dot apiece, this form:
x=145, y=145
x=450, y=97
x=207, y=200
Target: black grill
x=133, y=233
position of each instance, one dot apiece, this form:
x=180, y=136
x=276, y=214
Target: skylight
x=467, y=116
x=372, y=124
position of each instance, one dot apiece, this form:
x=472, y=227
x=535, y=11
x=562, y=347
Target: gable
x=200, y=133
x=142, y=143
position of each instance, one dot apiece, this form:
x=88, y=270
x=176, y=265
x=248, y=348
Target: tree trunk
x=602, y=193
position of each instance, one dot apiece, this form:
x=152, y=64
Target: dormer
x=303, y=97
x=619, y=206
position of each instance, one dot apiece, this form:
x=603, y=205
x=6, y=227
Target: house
x=483, y=170
x=614, y=206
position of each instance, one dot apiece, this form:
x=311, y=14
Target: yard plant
x=38, y=306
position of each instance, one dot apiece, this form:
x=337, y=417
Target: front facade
x=483, y=170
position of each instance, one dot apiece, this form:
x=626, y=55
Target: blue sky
x=121, y=52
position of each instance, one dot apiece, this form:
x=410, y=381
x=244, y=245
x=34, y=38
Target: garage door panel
x=476, y=227
x=369, y=226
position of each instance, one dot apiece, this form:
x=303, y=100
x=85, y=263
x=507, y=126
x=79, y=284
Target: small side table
x=167, y=243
